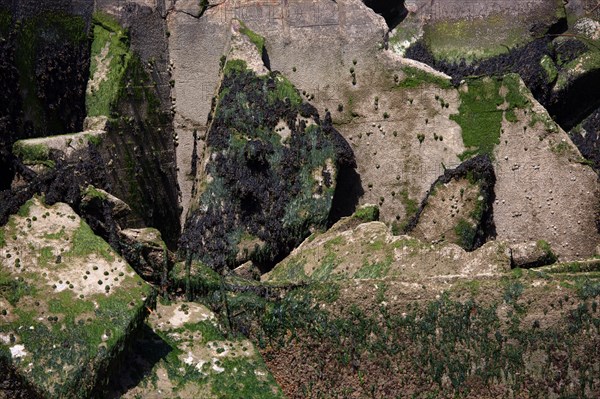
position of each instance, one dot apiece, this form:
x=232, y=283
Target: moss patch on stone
x=473, y=39
x=549, y=68
x=110, y=57
x=368, y=213
x=254, y=37
x=416, y=77
x=480, y=112
x=33, y=154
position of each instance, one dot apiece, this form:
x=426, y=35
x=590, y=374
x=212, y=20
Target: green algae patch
x=549, y=68
x=484, y=102
x=194, y=278
x=372, y=270
x=115, y=72
x=72, y=302
x=289, y=270
x=110, y=58
x=474, y=39
x=92, y=193
x=368, y=213
x=416, y=77
x=254, y=37
x=85, y=242
x=284, y=89
x=33, y=154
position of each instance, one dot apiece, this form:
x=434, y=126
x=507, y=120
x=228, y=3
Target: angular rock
x=370, y=251
x=248, y=271
x=68, y=304
x=455, y=33
x=93, y=198
x=269, y=172
x=545, y=189
x=145, y=250
x=128, y=85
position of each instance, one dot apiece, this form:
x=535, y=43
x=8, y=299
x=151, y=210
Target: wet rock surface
x=187, y=119
x=269, y=173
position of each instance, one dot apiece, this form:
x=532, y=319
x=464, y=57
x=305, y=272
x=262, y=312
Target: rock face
x=556, y=53
x=346, y=30
x=369, y=251
x=545, y=190
x=138, y=150
x=481, y=30
x=269, y=173
x=68, y=304
x=49, y=60
x=44, y=66
x=389, y=175
x=458, y=208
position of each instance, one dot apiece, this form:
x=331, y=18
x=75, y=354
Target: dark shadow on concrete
x=393, y=11
x=348, y=191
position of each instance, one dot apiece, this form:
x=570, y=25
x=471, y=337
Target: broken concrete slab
x=68, y=303
x=195, y=359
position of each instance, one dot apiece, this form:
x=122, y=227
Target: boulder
x=458, y=208
x=145, y=250
x=191, y=358
x=370, y=251
x=94, y=197
x=69, y=304
x=532, y=254
x=270, y=168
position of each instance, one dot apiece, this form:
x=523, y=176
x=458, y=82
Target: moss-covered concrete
x=369, y=251
x=269, y=172
x=191, y=357
x=480, y=31
x=139, y=146
x=68, y=303
x=110, y=57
